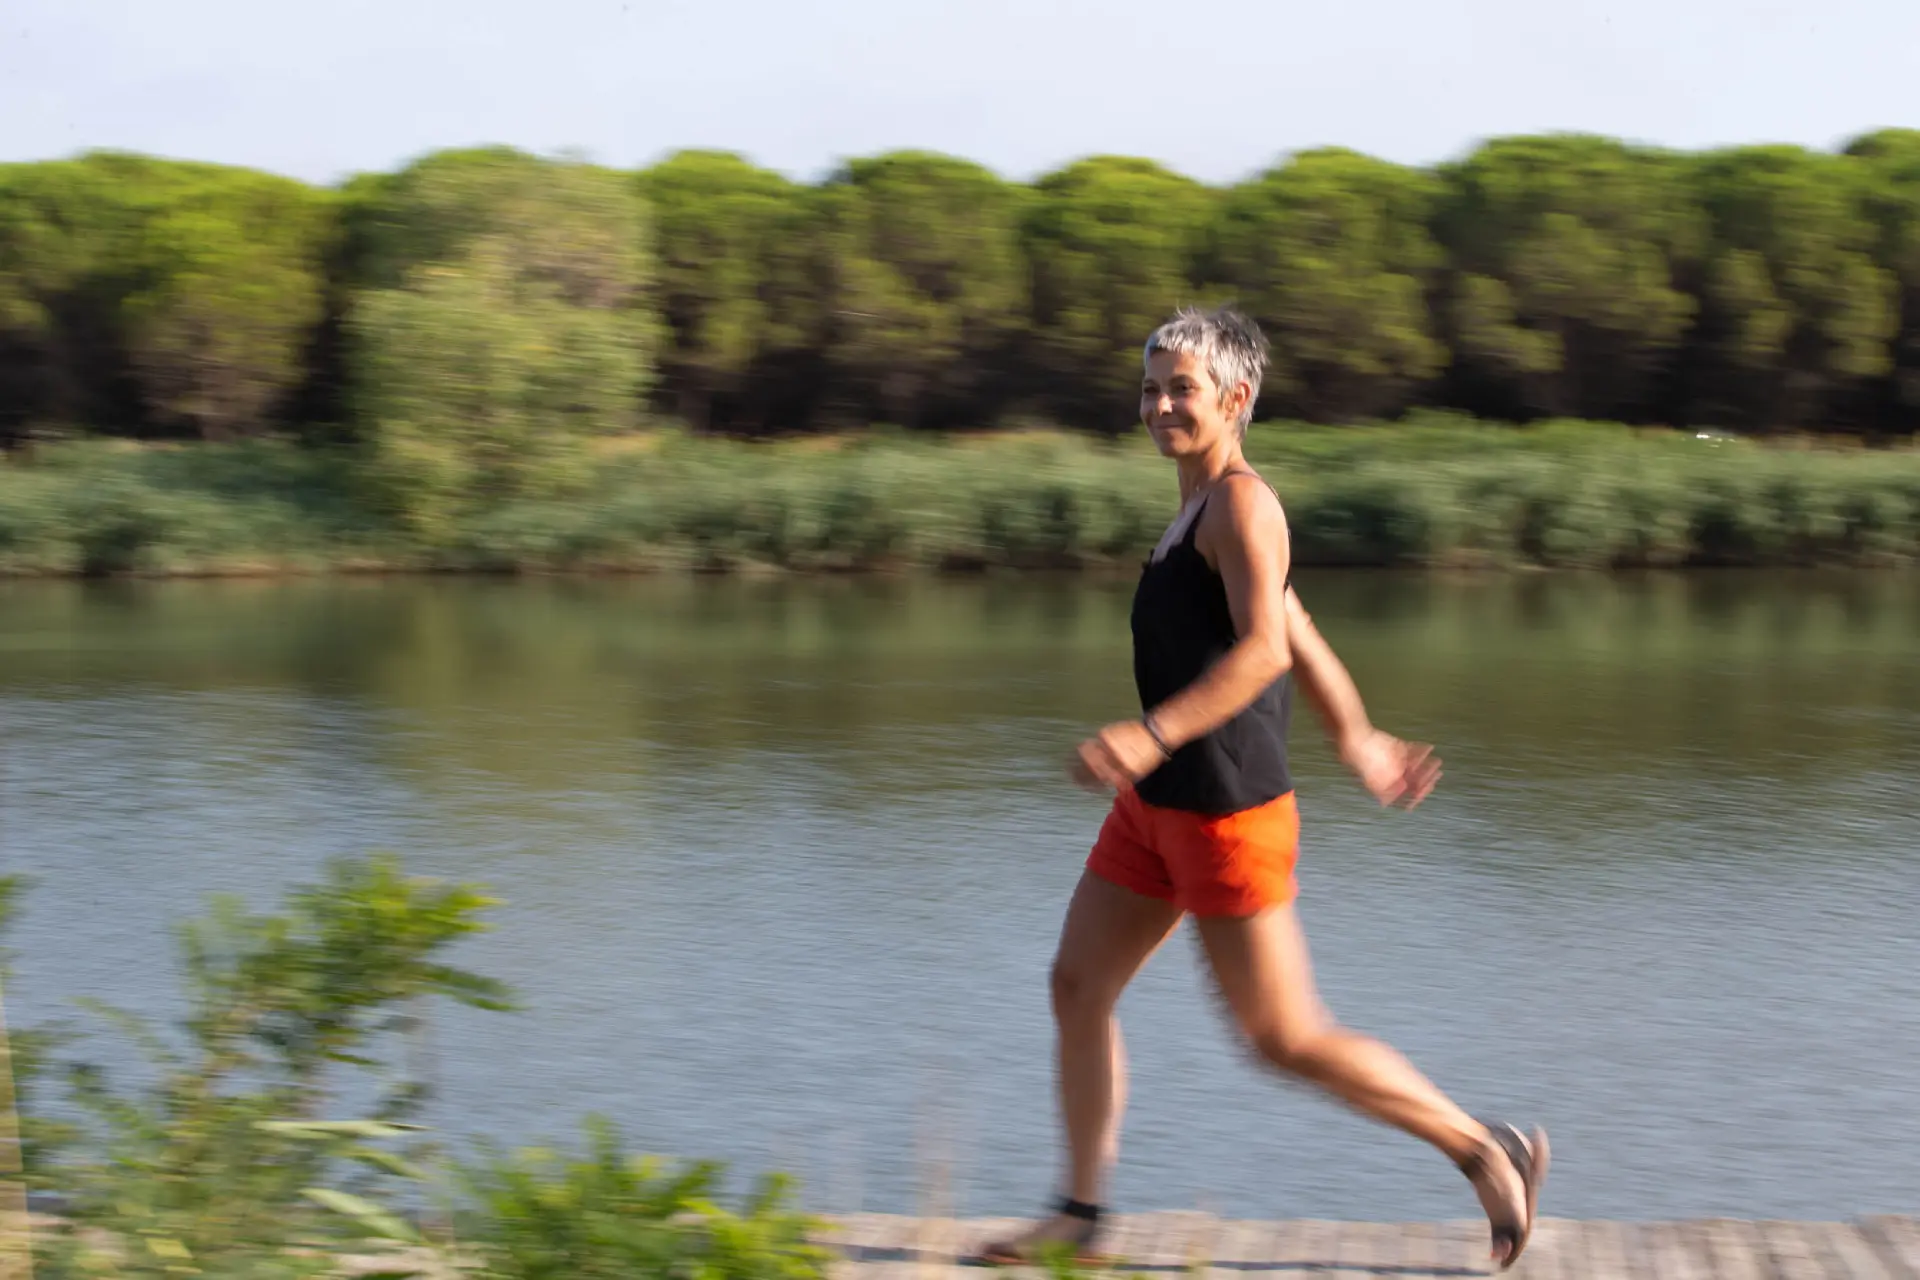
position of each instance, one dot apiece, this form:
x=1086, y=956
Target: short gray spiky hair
x=1230, y=344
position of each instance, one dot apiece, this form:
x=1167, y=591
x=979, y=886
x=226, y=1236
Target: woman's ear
x=1237, y=401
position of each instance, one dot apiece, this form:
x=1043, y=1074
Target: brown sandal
x=1012, y=1253
x=1528, y=1154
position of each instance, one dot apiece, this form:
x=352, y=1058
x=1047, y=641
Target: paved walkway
x=882, y=1247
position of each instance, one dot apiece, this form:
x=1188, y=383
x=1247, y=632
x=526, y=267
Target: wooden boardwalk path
x=883, y=1247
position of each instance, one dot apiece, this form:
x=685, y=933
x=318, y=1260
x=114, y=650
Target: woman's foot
x=1072, y=1228
x=1506, y=1173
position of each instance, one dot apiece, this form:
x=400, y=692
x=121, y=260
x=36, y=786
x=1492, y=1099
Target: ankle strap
x=1079, y=1209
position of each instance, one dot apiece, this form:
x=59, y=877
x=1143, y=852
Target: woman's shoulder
x=1245, y=501
x=1244, y=518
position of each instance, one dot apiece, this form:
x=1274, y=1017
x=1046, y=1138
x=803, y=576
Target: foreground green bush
x=605, y=1215
x=230, y=1162
x=1434, y=492
x=225, y=1164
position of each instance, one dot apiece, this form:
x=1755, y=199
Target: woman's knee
x=1295, y=1045
x=1078, y=995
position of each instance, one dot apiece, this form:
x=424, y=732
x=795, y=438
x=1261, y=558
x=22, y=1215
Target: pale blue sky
x=322, y=88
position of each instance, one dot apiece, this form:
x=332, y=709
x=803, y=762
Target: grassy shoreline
x=1434, y=492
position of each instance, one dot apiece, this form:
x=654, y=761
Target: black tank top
x=1182, y=625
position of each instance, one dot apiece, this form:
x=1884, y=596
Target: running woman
x=1203, y=820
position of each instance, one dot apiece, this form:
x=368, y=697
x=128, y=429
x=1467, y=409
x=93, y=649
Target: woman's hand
x=1396, y=772
x=1117, y=757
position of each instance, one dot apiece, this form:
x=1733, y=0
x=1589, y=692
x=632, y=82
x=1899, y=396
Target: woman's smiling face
x=1182, y=408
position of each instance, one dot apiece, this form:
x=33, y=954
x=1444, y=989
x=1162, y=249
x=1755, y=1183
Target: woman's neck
x=1201, y=471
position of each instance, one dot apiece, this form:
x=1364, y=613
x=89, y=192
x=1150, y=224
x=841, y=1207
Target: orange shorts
x=1235, y=864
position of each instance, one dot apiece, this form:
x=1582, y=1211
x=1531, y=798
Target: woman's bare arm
x=1395, y=772
x=1323, y=678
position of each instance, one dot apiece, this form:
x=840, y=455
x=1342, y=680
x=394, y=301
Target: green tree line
x=472, y=319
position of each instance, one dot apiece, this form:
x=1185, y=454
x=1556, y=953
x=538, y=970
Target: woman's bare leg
x=1266, y=976
x=1109, y=934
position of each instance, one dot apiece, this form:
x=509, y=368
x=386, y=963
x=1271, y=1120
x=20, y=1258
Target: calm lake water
x=784, y=864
